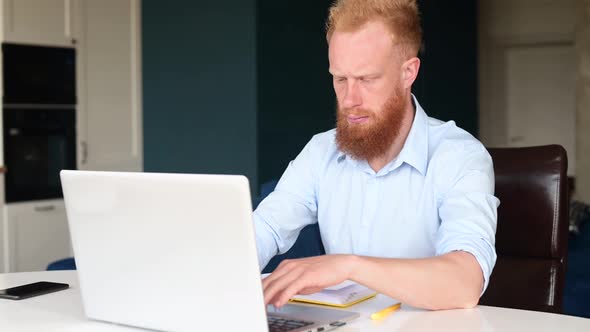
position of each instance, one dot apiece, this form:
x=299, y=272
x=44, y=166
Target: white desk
x=62, y=311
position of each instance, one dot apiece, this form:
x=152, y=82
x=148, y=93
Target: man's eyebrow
x=368, y=74
x=358, y=77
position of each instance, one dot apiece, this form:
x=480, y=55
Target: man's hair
x=402, y=17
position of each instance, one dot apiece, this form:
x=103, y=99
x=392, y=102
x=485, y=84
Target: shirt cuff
x=483, y=253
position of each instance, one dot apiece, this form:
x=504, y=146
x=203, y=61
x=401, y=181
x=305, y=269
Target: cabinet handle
x=84, y=152
x=45, y=208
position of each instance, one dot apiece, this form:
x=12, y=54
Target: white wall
x=527, y=74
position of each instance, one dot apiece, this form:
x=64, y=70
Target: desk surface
x=62, y=311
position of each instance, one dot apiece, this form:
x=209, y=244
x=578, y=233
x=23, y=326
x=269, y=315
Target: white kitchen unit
x=106, y=35
x=37, y=234
x=45, y=22
x=109, y=85
x=3, y=237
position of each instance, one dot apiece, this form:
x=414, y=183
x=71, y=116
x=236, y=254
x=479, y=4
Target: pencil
x=382, y=313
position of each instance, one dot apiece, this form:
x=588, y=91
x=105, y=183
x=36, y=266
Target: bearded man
x=405, y=203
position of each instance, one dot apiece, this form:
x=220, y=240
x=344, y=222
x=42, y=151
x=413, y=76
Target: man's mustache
x=356, y=112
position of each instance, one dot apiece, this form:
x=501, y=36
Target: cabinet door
x=3, y=244
x=46, y=22
x=109, y=85
x=38, y=234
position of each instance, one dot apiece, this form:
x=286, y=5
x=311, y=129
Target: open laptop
x=174, y=252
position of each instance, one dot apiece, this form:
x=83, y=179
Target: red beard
x=367, y=141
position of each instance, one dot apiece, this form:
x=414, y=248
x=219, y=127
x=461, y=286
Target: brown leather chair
x=531, y=239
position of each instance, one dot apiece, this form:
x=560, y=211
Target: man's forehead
x=374, y=32
x=361, y=51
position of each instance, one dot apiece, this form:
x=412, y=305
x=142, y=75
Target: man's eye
x=340, y=79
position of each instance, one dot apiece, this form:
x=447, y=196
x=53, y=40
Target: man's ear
x=410, y=70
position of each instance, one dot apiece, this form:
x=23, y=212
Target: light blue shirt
x=437, y=196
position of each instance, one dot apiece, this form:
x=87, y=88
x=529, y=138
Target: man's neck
x=379, y=162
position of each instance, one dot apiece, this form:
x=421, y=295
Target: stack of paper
x=342, y=295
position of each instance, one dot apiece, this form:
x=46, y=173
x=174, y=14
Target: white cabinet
x=41, y=22
x=3, y=245
x=109, y=85
x=107, y=37
x=37, y=234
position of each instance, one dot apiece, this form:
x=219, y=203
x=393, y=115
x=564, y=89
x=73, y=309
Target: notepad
x=342, y=295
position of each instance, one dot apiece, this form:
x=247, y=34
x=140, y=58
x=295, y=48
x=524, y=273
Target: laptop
x=174, y=252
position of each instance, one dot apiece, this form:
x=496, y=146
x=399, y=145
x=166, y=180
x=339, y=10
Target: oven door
x=38, y=144
x=39, y=74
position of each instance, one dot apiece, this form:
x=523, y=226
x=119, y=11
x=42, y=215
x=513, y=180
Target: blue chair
x=62, y=264
x=576, y=299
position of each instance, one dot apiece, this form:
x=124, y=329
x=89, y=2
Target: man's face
x=367, y=78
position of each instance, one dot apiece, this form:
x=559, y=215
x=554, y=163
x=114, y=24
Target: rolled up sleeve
x=280, y=217
x=468, y=211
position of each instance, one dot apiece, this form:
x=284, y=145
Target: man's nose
x=352, y=98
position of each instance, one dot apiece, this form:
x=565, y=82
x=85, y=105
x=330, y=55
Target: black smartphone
x=30, y=290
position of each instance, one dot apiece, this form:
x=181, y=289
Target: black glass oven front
x=38, y=143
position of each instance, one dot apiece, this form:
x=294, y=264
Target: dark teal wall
x=241, y=87
x=447, y=84
x=199, y=86
x=295, y=95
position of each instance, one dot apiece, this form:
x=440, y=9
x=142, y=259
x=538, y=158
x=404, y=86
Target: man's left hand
x=305, y=276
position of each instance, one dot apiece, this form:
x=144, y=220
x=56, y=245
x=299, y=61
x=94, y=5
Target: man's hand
x=305, y=276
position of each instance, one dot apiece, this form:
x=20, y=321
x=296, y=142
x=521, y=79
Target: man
x=404, y=202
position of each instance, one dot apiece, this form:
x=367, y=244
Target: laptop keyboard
x=278, y=324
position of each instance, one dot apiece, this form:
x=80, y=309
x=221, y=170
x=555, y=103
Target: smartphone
x=30, y=290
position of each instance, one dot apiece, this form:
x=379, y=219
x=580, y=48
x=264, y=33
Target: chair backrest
x=531, y=239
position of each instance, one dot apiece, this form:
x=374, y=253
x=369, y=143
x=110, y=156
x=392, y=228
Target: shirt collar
x=415, y=149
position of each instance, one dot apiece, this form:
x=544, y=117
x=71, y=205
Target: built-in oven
x=38, y=144
x=38, y=74
x=39, y=113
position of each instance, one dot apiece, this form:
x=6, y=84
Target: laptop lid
x=165, y=251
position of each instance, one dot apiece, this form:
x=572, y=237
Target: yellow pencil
x=382, y=313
